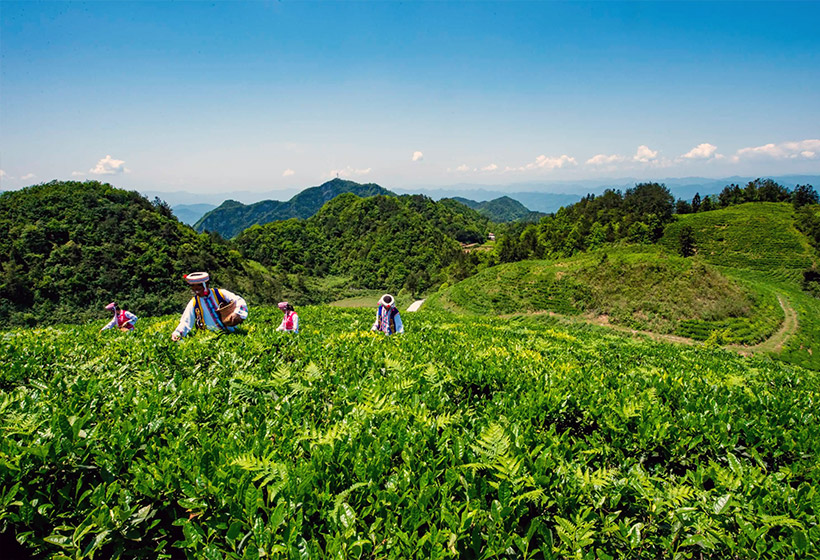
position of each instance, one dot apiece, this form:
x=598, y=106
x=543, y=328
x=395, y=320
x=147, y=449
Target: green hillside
x=69, y=248
x=757, y=235
x=232, y=217
x=747, y=285
x=467, y=437
x=380, y=242
x=641, y=290
x=502, y=209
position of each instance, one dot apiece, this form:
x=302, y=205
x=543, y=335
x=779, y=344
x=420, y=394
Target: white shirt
x=188, y=319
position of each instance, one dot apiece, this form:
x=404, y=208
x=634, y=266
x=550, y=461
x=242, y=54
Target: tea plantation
x=466, y=437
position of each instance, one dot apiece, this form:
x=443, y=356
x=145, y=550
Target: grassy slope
x=467, y=437
x=753, y=246
x=755, y=236
x=758, y=243
x=646, y=290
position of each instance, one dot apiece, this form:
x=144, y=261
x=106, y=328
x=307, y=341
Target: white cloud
x=462, y=167
x=645, y=155
x=603, y=159
x=804, y=149
x=703, y=151
x=28, y=176
x=3, y=174
x=109, y=166
x=544, y=162
x=491, y=167
x=77, y=174
x=288, y=173
x=350, y=172
x=418, y=156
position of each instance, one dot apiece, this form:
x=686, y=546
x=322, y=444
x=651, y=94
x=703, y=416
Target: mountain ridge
x=231, y=217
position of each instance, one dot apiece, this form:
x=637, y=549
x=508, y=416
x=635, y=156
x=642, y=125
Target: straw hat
x=197, y=278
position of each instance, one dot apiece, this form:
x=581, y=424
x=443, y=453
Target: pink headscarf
x=111, y=306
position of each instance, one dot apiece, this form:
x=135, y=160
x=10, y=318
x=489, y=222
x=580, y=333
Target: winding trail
x=775, y=342
x=772, y=344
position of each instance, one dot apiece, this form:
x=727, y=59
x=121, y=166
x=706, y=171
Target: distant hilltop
x=231, y=217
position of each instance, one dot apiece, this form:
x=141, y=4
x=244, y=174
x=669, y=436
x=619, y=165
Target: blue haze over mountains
x=541, y=196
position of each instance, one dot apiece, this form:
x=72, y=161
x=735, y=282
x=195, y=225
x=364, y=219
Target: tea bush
x=464, y=438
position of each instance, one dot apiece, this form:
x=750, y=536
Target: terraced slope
x=756, y=236
x=641, y=290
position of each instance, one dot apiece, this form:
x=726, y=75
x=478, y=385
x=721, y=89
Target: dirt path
x=772, y=344
x=775, y=342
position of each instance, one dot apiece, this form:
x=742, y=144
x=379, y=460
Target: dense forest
x=69, y=248
x=381, y=242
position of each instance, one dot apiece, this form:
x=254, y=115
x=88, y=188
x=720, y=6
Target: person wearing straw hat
x=290, y=322
x=213, y=309
x=388, y=319
x=123, y=320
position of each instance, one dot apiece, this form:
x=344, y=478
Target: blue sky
x=222, y=96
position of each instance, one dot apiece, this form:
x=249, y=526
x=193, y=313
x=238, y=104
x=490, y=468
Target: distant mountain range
x=540, y=196
x=503, y=209
x=231, y=217
x=549, y=196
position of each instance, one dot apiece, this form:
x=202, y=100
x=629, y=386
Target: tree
x=804, y=195
x=706, y=205
x=683, y=207
x=686, y=241
x=770, y=191
x=696, y=203
x=650, y=198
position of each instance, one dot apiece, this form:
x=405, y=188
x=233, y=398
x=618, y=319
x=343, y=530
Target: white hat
x=387, y=300
x=197, y=278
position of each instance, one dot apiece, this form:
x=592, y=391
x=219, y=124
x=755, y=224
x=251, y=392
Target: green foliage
x=464, y=438
x=686, y=241
x=382, y=242
x=69, y=248
x=638, y=216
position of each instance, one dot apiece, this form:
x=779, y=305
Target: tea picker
x=290, y=320
x=388, y=319
x=123, y=320
x=214, y=309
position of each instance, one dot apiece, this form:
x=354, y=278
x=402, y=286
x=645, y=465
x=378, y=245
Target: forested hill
x=502, y=209
x=381, y=241
x=231, y=217
x=69, y=248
